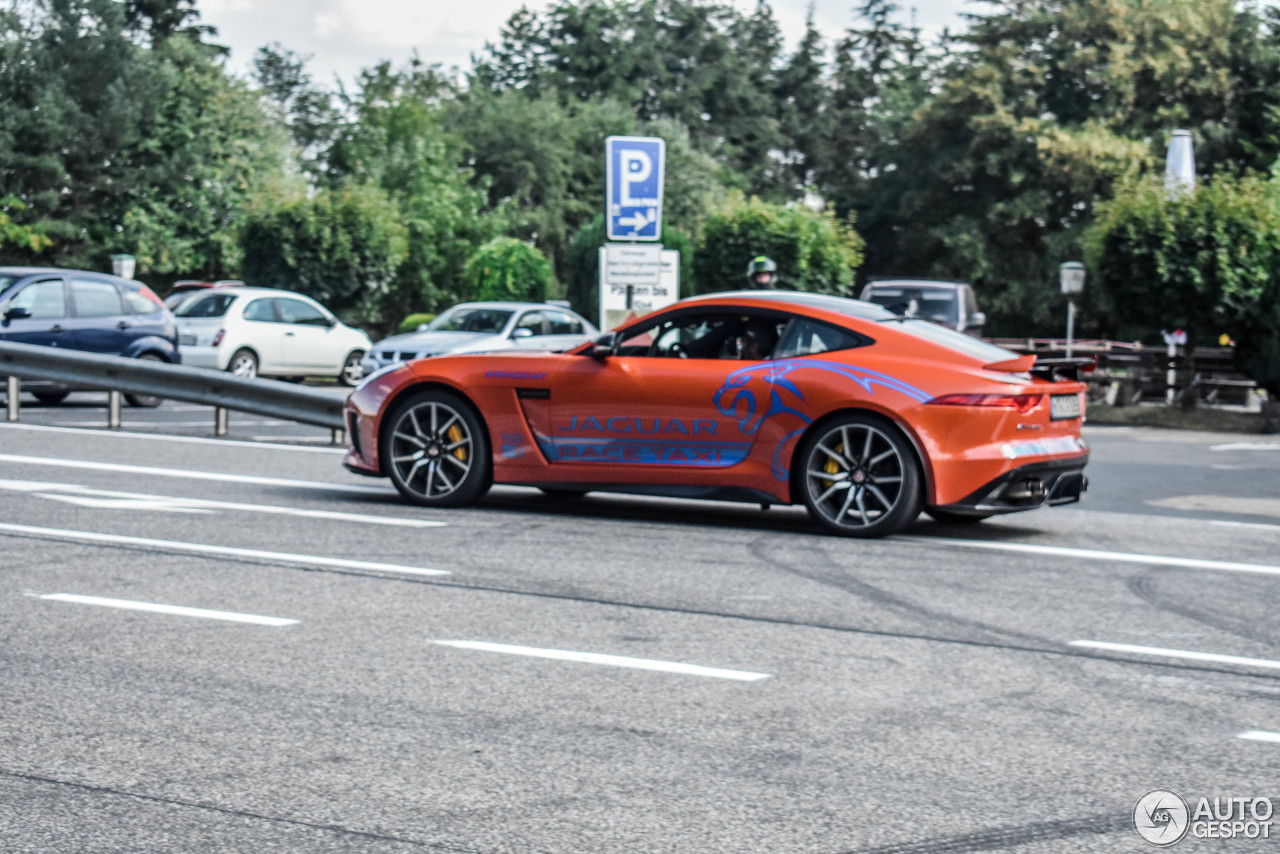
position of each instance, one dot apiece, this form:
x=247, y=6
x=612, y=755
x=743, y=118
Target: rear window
x=937, y=304
x=952, y=340
x=213, y=305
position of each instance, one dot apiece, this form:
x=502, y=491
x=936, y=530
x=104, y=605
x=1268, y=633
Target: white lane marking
x=355, y=489
x=180, y=610
x=200, y=548
x=239, y=423
x=1259, y=526
x=1178, y=653
x=109, y=499
x=1246, y=446
x=161, y=437
x=1260, y=735
x=1096, y=554
x=316, y=439
x=609, y=660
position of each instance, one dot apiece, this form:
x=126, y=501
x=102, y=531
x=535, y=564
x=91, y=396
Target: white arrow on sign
x=639, y=221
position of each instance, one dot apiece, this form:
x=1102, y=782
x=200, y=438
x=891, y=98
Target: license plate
x=187, y=340
x=1063, y=406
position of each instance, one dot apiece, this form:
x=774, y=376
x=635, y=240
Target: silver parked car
x=476, y=327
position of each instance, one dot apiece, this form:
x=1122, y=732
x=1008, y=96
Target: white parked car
x=481, y=327
x=268, y=332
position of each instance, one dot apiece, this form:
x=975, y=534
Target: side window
x=136, y=303
x=717, y=335
x=297, y=311
x=804, y=337
x=44, y=300
x=95, y=299
x=563, y=324
x=532, y=321
x=260, y=310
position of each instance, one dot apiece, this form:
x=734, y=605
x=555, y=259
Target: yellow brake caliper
x=455, y=436
x=831, y=467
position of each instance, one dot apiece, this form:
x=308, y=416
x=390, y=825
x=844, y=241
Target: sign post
x=1071, y=277
x=634, y=167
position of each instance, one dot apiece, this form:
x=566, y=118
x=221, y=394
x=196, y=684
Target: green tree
x=1206, y=261
x=509, y=269
x=342, y=246
x=814, y=250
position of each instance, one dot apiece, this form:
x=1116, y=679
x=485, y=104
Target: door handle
x=288, y=335
x=124, y=324
x=58, y=328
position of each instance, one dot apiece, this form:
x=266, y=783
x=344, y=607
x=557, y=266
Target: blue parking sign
x=633, y=187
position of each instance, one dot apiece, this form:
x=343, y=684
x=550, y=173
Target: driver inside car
x=756, y=340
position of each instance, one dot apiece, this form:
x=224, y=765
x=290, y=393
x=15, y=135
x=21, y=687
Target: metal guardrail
x=116, y=375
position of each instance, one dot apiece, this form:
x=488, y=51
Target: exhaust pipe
x=1027, y=490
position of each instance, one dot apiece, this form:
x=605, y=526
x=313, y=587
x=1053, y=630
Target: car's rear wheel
x=436, y=450
x=51, y=397
x=949, y=518
x=352, y=368
x=859, y=477
x=243, y=364
x=145, y=401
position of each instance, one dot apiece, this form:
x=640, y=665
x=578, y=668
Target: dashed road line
x=608, y=660
x=178, y=610
x=220, y=551
x=1178, y=653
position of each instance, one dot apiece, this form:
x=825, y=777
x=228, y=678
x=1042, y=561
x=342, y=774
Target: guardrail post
x=221, y=424
x=114, y=405
x=337, y=437
x=12, y=389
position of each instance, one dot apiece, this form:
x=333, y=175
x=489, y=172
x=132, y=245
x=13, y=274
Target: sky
x=344, y=36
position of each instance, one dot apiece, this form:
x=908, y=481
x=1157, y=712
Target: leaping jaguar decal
x=736, y=398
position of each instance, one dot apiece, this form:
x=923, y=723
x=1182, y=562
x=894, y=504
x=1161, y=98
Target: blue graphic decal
x=513, y=446
x=737, y=399
x=644, y=452
x=515, y=375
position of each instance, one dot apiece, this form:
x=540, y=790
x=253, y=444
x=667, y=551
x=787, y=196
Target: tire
x=436, y=451
x=873, y=491
x=562, y=494
x=949, y=518
x=145, y=401
x=244, y=363
x=352, y=370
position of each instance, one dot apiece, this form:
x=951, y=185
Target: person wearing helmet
x=762, y=272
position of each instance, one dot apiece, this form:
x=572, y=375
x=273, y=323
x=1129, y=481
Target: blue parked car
x=81, y=310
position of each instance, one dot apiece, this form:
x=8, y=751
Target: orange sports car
x=864, y=416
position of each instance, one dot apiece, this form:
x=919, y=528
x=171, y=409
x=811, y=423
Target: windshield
x=936, y=304
x=463, y=319
x=953, y=340
x=211, y=305
x=5, y=282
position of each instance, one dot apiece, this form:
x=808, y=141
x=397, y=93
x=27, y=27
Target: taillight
x=217, y=339
x=1024, y=403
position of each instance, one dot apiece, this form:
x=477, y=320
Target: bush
x=814, y=250
x=413, y=321
x=509, y=269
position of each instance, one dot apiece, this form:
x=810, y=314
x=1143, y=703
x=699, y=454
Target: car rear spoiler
x=1048, y=369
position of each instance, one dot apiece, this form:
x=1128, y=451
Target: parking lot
x=236, y=645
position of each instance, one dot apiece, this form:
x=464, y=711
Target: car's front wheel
x=436, y=450
x=859, y=477
x=352, y=369
x=51, y=397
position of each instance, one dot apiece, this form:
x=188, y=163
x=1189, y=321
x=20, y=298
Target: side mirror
x=977, y=320
x=522, y=333
x=17, y=313
x=605, y=346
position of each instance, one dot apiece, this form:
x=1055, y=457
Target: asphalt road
x=614, y=674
